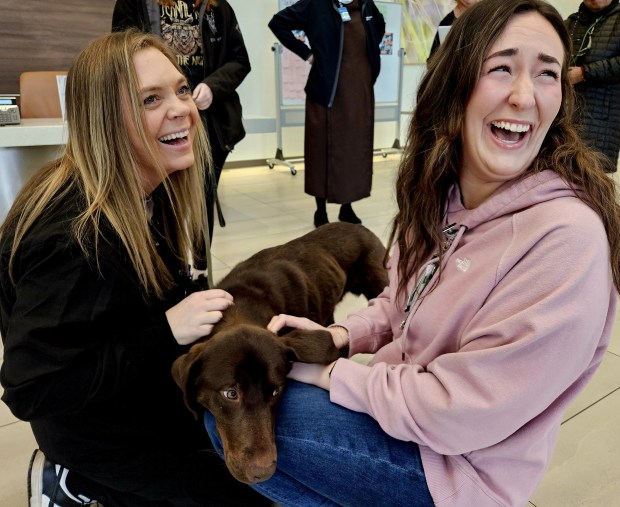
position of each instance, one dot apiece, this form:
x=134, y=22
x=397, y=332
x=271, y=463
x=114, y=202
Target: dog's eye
x=276, y=391
x=231, y=394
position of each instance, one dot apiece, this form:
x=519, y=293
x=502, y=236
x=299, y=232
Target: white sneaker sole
x=35, y=469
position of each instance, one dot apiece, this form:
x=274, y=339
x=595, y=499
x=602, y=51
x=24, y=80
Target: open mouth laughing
x=175, y=137
x=509, y=132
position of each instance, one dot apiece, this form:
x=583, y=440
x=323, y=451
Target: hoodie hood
x=490, y=227
x=512, y=197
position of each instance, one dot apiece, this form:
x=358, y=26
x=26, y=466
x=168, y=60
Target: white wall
x=258, y=90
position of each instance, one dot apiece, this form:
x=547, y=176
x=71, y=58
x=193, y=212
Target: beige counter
x=24, y=148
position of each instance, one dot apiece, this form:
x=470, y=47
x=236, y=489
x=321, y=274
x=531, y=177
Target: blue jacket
x=323, y=26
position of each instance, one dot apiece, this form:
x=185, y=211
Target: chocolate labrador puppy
x=238, y=372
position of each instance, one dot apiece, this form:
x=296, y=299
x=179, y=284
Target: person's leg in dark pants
x=199, y=479
x=320, y=215
x=218, y=157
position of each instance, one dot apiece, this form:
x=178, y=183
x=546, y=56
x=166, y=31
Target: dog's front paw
x=311, y=346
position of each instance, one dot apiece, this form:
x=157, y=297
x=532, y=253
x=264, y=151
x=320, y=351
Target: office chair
x=38, y=94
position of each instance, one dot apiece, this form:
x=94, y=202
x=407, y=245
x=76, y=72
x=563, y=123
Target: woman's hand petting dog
x=315, y=374
x=340, y=335
x=195, y=316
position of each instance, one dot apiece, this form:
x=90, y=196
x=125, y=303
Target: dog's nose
x=258, y=472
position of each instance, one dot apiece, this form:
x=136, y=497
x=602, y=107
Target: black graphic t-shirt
x=180, y=28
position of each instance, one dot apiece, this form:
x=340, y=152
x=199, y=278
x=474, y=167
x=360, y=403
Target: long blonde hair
x=432, y=156
x=101, y=165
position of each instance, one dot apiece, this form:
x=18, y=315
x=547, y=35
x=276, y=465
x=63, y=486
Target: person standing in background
x=460, y=8
x=595, y=73
x=210, y=49
x=344, y=39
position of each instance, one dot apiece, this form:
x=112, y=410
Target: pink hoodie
x=510, y=334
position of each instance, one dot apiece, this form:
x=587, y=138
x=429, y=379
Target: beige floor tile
x=17, y=444
x=585, y=470
x=606, y=380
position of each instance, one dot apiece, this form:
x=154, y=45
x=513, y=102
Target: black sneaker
x=47, y=485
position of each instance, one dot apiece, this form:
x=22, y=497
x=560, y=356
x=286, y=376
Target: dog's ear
x=311, y=346
x=185, y=369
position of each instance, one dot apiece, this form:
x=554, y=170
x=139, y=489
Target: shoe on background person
x=47, y=485
x=348, y=215
x=320, y=218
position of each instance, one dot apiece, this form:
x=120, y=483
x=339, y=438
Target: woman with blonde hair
x=207, y=42
x=96, y=291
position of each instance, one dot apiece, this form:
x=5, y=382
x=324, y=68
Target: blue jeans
x=329, y=455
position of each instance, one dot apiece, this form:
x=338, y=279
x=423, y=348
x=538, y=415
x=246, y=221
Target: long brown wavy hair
x=101, y=165
x=431, y=159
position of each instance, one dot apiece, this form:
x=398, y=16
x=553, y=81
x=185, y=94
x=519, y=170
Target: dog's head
x=238, y=374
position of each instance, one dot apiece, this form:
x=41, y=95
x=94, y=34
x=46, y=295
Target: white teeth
x=512, y=127
x=176, y=135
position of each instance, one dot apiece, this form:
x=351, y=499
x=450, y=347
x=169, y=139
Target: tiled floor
x=265, y=207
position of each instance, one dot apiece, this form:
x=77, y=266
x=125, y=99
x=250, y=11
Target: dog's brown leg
x=311, y=346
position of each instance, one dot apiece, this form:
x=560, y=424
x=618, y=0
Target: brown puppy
x=238, y=372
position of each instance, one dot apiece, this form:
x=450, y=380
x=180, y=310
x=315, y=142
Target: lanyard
x=450, y=232
x=428, y=273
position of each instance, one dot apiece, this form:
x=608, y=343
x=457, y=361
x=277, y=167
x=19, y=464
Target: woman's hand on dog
x=315, y=374
x=195, y=316
x=340, y=335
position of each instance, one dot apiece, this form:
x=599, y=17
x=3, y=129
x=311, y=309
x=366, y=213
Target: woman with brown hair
x=503, y=281
x=96, y=294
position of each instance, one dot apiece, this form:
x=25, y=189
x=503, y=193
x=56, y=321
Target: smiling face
x=512, y=106
x=170, y=116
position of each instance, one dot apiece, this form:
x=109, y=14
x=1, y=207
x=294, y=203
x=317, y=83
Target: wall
x=42, y=35
x=45, y=35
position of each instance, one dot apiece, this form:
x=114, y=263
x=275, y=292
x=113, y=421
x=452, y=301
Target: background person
x=595, y=72
x=506, y=225
x=95, y=298
x=460, y=7
x=340, y=101
x=207, y=40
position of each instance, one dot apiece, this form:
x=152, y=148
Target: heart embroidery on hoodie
x=463, y=264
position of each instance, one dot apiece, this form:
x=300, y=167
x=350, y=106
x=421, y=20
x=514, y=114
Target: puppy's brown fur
x=238, y=372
